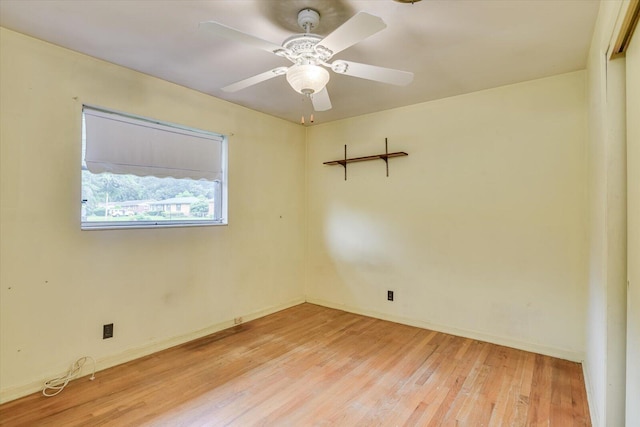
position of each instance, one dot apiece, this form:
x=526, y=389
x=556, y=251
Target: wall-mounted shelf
x=384, y=156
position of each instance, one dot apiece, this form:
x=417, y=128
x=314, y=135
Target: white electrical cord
x=58, y=384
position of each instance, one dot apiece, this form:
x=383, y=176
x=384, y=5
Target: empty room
x=320, y=212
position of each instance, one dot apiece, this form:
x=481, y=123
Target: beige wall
x=633, y=240
x=480, y=231
x=59, y=285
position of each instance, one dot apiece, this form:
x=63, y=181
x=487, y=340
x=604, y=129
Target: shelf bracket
x=344, y=163
x=386, y=156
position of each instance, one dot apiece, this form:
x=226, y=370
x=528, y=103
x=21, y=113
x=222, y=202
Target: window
x=138, y=172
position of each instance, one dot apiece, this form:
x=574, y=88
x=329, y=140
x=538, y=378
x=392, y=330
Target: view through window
x=142, y=173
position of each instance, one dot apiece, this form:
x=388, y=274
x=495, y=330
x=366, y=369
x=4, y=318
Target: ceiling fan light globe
x=307, y=79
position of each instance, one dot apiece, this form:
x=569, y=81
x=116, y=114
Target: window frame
x=220, y=191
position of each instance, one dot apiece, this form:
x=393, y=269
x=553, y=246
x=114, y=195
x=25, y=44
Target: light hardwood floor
x=310, y=365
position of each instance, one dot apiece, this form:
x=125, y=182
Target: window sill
x=147, y=224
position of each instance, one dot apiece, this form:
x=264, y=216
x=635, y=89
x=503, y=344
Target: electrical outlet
x=107, y=331
x=389, y=295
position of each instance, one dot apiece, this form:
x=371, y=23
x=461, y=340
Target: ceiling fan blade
x=358, y=28
x=234, y=87
x=372, y=72
x=233, y=34
x=321, y=100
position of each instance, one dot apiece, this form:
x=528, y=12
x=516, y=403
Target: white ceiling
x=452, y=46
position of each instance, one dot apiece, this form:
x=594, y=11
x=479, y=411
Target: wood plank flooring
x=314, y=366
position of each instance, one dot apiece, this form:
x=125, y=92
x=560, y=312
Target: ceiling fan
x=310, y=52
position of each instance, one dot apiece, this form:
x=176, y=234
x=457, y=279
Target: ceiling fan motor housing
x=304, y=49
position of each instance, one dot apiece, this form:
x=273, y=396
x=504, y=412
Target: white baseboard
x=481, y=336
x=13, y=393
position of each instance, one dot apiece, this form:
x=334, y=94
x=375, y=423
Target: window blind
x=122, y=144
